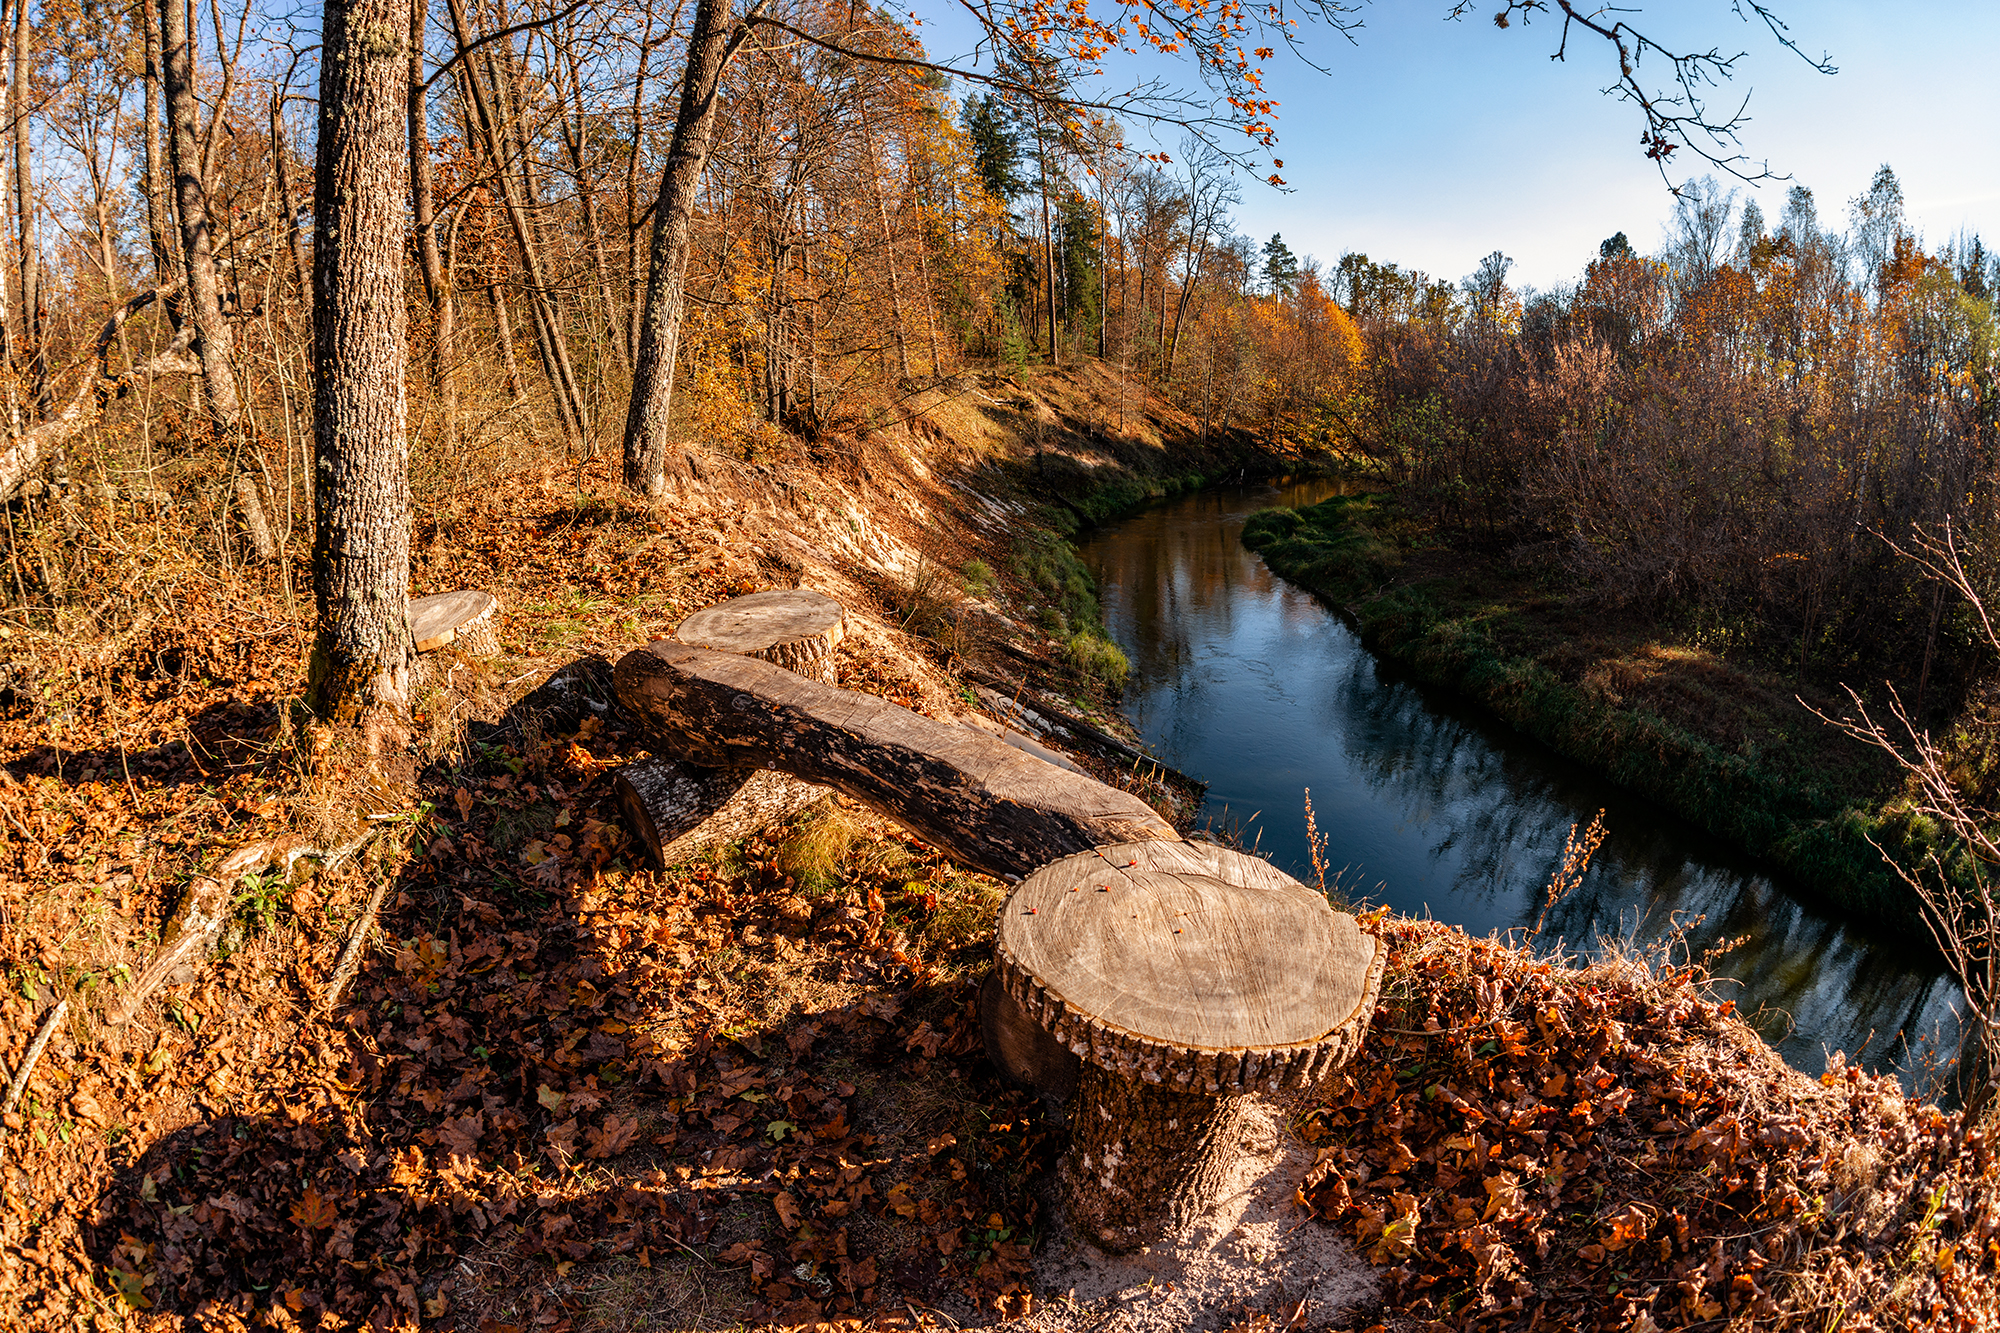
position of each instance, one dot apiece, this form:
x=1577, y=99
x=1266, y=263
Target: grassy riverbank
x=1664, y=710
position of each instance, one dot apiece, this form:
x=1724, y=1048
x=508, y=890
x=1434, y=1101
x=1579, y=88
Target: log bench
x=1167, y=981
x=681, y=809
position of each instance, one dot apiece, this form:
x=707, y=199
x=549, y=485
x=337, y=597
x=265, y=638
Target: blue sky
x=1432, y=143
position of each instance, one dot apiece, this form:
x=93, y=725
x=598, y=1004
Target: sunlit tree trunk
x=34, y=337
x=361, y=668
x=423, y=217
x=713, y=39
x=204, y=290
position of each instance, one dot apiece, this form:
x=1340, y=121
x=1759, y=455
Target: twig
x=35, y=1048
x=350, y=957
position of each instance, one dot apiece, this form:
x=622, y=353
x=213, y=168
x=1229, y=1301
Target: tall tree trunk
x=34, y=339
x=503, y=331
x=495, y=127
x=212, y=337
x=423, y=216
x=10, y=100
x=888, y=248
x=1048, y=234
x=288, y=199
x=576, y=141
x=711, y=42
x=361, y=661
x=633, y=215
x=160, y=231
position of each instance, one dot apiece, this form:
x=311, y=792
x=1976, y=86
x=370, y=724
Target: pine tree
x=996, y=147
x=1281, y=266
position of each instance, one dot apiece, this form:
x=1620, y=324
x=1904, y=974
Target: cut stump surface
x=467, y=620
x=1186, y=977
x=795, y=628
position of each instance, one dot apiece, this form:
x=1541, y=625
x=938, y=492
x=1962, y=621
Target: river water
x=1251, y=683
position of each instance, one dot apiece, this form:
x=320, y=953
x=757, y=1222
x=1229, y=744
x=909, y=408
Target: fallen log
x=1186, y=978
x=679, y=809
x=983, y=802
x=682, y=810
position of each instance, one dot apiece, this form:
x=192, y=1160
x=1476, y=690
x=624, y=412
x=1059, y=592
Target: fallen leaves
x=1517, y=1139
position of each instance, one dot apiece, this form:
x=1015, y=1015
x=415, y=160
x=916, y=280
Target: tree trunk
x=503, y=332
x=897, y=329
x=212, y=337
x=159, y=205
x=1141, y=1155
x=34, y=337
x=361, y=662
x=495, y=127
x=1048, y=236
x=712, y=41
x=423, y=216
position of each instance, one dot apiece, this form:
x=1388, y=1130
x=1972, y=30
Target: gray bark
x=361, y=662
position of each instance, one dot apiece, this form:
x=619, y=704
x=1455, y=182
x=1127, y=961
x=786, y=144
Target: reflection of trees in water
x=1196, y=612
x=1499, y=821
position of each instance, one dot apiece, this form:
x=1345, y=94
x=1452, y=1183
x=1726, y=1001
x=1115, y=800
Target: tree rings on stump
x=466, y=620
x=794, y=628
x=1185, y=976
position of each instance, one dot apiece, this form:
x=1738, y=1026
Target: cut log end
x=680, y=810
x=468, y=621
x=795, y=628
x=1185, y=977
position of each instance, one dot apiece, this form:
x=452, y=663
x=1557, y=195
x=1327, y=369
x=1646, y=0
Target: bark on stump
x=679, y=809
x=1186, y=977
x=795, y=628
x=468, y=621
x=983, y=802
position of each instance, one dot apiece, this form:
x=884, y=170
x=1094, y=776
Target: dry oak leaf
x=1626, y=1227
x=788, y=1210
x=1399, y=1237
x=1504, y=1197
x=86, y=1108
x=460, y=1136
x=617, y=1134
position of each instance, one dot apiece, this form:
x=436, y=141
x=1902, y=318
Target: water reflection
x=1250, y=683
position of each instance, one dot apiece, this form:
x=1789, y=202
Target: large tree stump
x=984, y=803
x=468, y=621
x=1186, y=977
x=680, y=809
x=795, y=628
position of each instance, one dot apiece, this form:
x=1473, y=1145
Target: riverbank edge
x=1817, y=836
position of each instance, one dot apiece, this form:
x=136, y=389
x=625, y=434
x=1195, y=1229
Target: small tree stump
x=468, y=621
x=794, y=628
x=1186, y=977
x=680, y=810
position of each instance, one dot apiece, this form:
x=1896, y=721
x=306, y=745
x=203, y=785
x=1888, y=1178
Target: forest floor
x=567, y=1091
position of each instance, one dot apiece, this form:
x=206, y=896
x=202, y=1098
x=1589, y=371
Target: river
x=1252, y=684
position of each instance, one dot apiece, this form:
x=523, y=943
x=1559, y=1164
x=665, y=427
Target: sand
x=1251, y=1256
